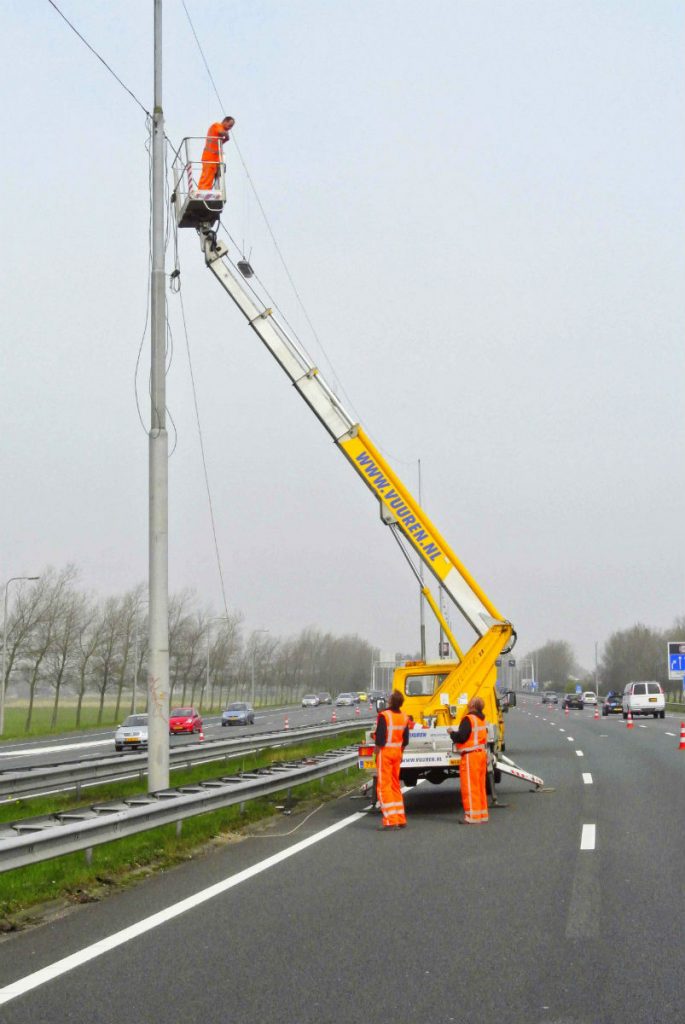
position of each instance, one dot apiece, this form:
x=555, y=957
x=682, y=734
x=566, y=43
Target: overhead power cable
x=101, y=59
x=204, y=461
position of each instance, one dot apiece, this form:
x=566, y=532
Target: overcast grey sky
x=481, y=204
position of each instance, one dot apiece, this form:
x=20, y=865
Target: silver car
x=132, y=734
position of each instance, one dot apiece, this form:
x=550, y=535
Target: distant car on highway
x=238, y=713
x=550, y=697
x=184, y=720
x=310, y=700
x=132, y=733
x=644, y=699
x=573, y=700
x=590, y=697
x=345, y=700
x=362, y=694
x=325, y=698
x=612, y=704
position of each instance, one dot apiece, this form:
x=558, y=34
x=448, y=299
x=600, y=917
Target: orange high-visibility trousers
x=472, y=772
x=211, y=156
x=389, y=793
x=210, y=168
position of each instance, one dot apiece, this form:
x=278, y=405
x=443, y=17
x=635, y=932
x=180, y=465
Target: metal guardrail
x=38, y=839
x=76, y=774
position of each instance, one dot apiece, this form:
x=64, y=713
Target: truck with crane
x=437, y=693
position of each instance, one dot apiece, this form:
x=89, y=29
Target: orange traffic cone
x=356, y=709
x=202, y=736
x=629, y=723
x=596, y=712
x=566, y=710
x=334, y=717
x=286, y=724
x=682, y=736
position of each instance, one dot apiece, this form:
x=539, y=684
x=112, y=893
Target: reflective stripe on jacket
x=396, y=722
x=478, y=739
x=214, y=133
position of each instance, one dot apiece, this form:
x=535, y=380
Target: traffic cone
x=286, y=724
x=356, y=709
x=596, y=715
x=682, y=736
x=566, y=710
x=629, y=723
x=334, y=717
x=202, y=737
x=370, y=705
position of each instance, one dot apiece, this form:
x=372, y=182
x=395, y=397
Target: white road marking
x=570, y=739
x=83, y=956
x=587, y=778
x=562, y=730
x=63, y=746
x=587, y=841
x=669, y=734
x=579, y=753
x=643, y=726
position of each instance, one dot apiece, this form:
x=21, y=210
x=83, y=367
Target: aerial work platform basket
x=193, y=205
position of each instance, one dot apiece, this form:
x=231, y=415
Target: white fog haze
x=481, y=206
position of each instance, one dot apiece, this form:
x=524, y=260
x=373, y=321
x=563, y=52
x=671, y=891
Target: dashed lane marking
x=579, y=753
x=588, y=837
x=587, y=778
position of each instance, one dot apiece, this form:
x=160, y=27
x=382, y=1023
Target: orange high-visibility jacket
x=478, y=740
x=212, y=148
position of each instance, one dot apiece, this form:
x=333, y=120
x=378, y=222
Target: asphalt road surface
x=17, y=754
x=566, y=908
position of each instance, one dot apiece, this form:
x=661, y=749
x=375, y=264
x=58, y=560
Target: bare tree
x=63, y=656
x=89, y=639
x=50, y=594
x=21, y=623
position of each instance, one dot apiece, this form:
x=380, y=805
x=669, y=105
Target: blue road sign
x=676, y=663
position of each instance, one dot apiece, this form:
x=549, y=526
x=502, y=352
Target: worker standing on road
x=471, y=739
x=392, y=736
x=217, y=134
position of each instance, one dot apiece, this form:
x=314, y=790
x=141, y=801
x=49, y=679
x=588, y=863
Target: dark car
x=613, y=704
x=325, y=698
x=550, y=697
x=573, y=700
x=238, y=713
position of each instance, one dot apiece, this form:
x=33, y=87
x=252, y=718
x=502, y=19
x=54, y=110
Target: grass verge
x=25, y=892
x=41, y=721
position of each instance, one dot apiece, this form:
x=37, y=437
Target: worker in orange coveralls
x=471, y=739
x=392, y=736
x=217, y=133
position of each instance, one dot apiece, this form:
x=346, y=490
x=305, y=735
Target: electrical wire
x=350, y=403
x=101, y=59
x=204, y=459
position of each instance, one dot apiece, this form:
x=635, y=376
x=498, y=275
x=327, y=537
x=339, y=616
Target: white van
x=644, y=699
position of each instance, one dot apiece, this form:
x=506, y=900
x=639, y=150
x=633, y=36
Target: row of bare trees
x=74, y=647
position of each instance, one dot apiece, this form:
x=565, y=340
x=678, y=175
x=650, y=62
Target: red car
x=184, y=720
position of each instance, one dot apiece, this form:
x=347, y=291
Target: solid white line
x=587, y=778
x=579, y=753
x=588, y=837
x=51, y=750
x=60, y=967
